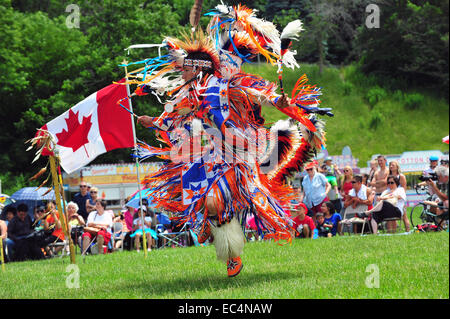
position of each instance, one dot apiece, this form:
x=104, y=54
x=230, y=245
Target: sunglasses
x=391, y=183
x=83, y=185
x=353, y=182
x=309, y=169
x=93, y=192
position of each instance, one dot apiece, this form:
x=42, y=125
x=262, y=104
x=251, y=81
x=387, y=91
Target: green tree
x=411, y=44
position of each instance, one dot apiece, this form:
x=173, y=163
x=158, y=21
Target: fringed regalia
x=217, y=145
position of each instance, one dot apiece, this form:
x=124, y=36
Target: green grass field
x=409, y=266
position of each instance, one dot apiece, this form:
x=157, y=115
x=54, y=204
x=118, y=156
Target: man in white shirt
x=359, y=199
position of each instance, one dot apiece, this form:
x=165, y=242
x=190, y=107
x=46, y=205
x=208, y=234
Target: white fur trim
x=229, y=240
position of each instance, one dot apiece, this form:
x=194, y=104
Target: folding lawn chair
x=117, y=234
x=350, y=220
x=65, y=248
x=177, y=239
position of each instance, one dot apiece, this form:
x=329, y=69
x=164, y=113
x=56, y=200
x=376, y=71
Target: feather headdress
x=195, y=43
x=263, y=34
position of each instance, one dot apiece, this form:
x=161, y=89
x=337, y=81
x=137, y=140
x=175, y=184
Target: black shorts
x=388, y=211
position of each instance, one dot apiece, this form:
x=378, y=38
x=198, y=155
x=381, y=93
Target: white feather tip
x=292, y=30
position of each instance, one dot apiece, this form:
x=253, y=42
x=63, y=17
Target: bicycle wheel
x=418, y=215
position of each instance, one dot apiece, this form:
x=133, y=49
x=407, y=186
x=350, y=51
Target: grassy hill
x=368, y=118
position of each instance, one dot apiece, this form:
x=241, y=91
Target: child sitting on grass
x=302, y=222
x=324, y=230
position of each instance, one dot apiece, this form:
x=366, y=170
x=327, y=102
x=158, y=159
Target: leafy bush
x=398, y=96
x=414, y=100
x=347, y=88
x=375, y=95
x=376, y=118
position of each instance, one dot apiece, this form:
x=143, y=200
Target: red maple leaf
x=76, y=134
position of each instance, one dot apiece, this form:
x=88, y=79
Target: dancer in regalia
x=223, y=165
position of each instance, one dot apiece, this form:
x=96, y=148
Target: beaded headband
x=200, y=63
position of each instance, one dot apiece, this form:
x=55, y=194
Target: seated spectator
x=394, y=169
x=74, y=218
x=163, y=226
x=38, y=218
x=359, y=199
x=389, y=207
x=331, y=218
x=76, y=222
x=324, y=230
x=137, y=229
x=52, y=222
x=98, y=227
x=9, y=212
x=303, y=224
x=3, y=236
x=19, y=230
x=90, y=202
x=125, y=231
x=441, y=188
x=129, y=216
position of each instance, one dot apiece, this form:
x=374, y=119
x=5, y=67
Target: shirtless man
x=380, y=178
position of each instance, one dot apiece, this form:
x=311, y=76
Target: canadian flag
x=94, y=126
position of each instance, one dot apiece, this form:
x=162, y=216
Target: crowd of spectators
x=376, y=197
x=326, y=200
x=90, y=224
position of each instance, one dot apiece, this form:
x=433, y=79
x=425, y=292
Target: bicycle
x=422, y=214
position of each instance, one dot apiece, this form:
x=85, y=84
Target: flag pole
x=2, y=258
x=61, y=212
x=144, y=237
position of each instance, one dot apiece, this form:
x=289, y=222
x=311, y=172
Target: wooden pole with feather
x=44, y=141
x=290, y=32
x=2, y=257
x=195, y=14
x=58, y=197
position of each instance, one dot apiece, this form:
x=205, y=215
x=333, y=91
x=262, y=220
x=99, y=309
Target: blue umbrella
x=146, y=193
x=30, y=193
x=32, y=198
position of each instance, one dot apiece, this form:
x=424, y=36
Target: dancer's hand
x=283, y=101
x=145, y=120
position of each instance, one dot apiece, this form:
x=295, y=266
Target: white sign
x=416, y=161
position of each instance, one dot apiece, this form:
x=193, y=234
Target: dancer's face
x=189, y=72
